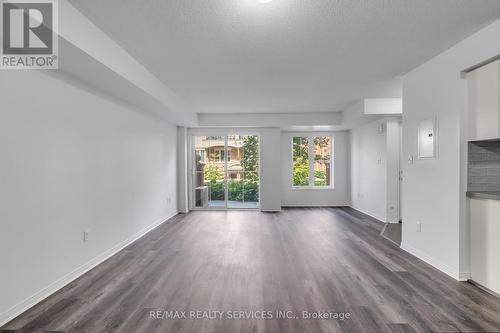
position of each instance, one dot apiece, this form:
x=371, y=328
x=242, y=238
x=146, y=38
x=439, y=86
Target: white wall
x=393, y=146
x=270, y=169
x=338, y=196
x=434, y=190
x=383, y=106
x=281, y=120
x=369, y=169
x=72, y=161
x=374, y=168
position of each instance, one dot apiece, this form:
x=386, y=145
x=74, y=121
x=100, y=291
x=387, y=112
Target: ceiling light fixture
x=264, y=1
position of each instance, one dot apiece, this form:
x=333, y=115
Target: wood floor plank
x=300, y=262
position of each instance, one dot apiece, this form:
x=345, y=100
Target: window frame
x=219, y=155
x=311, y=156
x=202, y=153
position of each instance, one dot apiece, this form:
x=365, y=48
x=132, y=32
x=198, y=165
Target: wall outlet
x=85, y=236
x=419, y=227
x=392, y=207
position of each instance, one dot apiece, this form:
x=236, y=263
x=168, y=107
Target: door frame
x=400, y=174
x=192, y=132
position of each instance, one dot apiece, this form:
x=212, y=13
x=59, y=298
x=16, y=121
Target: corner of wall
x=453, y=272
x=182, y=173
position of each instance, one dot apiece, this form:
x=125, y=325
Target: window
x=312, y=161
x=200, y=155
x=300, y=161
x=219, y=155
x=322, y=159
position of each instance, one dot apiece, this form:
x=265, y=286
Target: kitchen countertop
x=493, y=195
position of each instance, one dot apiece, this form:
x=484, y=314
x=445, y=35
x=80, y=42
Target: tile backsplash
x=484, y=166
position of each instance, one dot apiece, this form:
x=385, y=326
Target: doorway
x=225, y=171
x=400, y=180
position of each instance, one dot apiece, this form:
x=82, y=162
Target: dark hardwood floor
x=331, y=260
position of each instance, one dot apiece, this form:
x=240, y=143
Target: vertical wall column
x=270, y=169
x=393, y=158
x=182, y=170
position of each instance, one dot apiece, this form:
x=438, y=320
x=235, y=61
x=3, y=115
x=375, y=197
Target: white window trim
x=310, y=151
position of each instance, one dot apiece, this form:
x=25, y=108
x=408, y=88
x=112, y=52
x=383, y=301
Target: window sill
x=320, y=188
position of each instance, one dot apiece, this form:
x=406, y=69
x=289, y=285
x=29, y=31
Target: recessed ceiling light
x=264, y=1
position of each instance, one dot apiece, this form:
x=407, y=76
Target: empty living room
x=250, y=166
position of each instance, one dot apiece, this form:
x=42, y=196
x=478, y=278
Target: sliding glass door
x=209, y=166
x=243, y=171
x=226, y=172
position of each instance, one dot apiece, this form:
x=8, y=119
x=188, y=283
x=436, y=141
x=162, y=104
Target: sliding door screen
x=208, y=172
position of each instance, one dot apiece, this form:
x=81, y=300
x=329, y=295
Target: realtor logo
x=29, y=34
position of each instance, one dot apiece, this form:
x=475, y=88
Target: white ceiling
x=240, y=56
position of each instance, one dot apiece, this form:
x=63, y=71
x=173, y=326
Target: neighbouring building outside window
x=312, y=161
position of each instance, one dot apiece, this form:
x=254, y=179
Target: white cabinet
x=485, y=243
x=484, y=102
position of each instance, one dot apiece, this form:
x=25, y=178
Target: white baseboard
x=310, y=205
x=432, y=261
x=464, y=276
x=39, y=296
x=393, y=220
x=382, y=219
